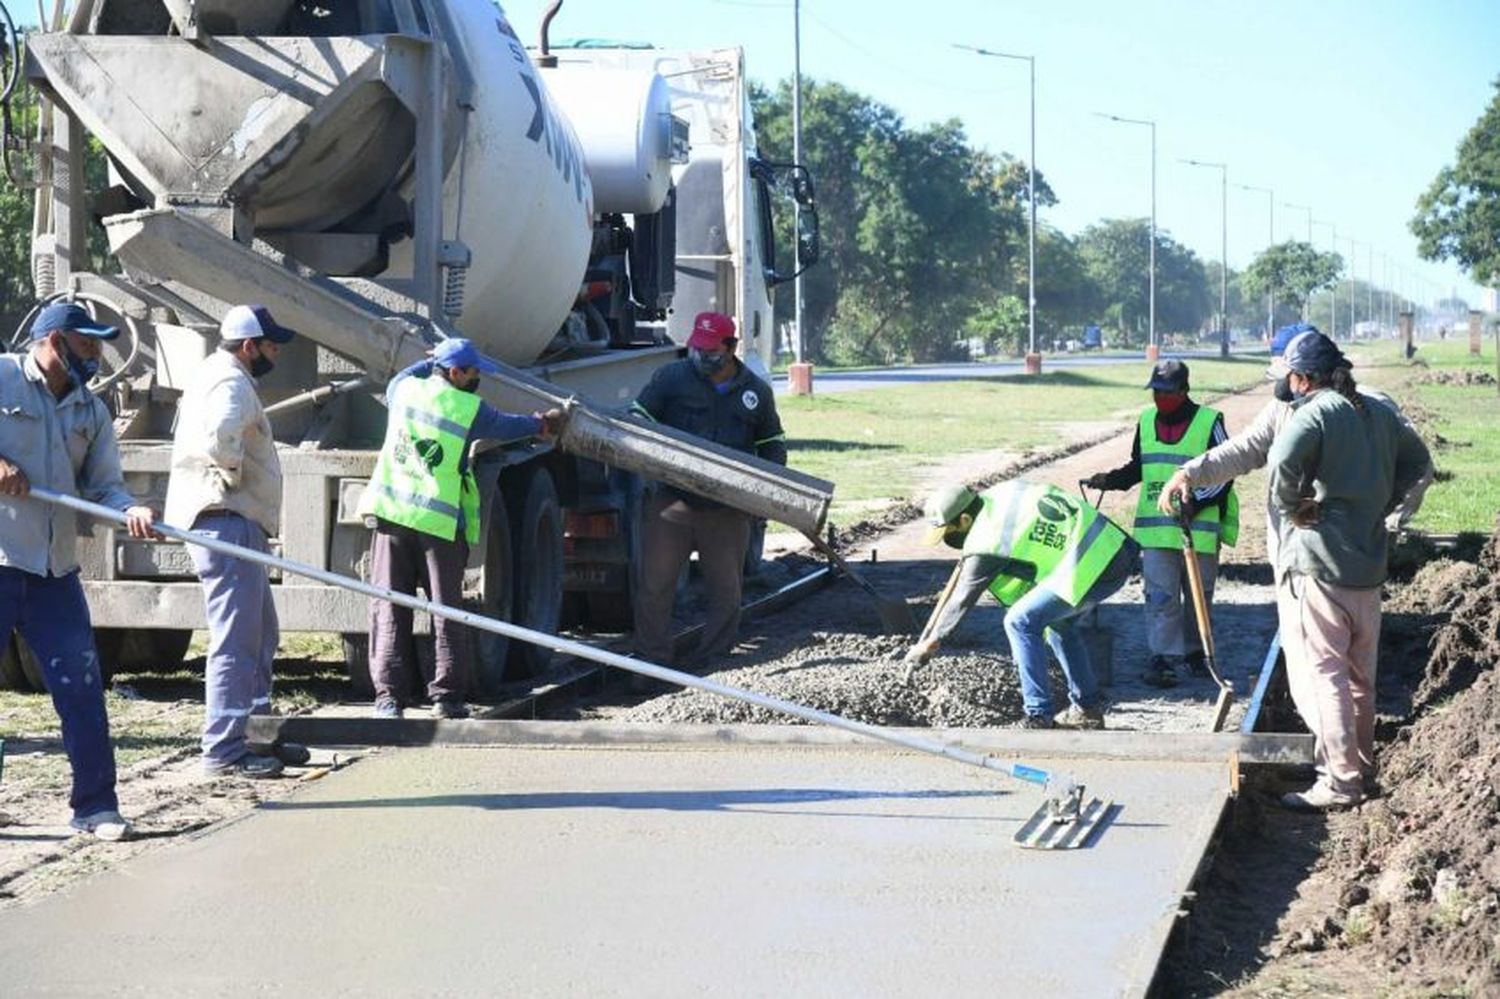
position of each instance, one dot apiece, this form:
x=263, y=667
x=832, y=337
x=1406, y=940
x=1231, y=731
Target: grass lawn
x=876, y=444
x=1458, y=416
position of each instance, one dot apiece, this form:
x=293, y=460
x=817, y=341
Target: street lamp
x=1033, y=359
x=1302, y=208
x=800, y=375
x=1333, y=303
x=1270, y=291
x=1152, y=348
x=1223, y=251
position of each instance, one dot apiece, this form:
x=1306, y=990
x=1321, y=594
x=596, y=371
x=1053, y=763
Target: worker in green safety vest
x=1048, y=558
x=423, y=504
x=1171, y=432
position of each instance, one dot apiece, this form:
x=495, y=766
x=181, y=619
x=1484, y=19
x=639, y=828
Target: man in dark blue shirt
x=714, y=396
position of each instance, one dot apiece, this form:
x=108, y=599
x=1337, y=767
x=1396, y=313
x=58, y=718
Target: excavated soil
x=1402, y=895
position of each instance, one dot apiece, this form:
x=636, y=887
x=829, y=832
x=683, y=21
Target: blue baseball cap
x=70, y=316
x=457, y=352
x=1279, y=343
x=1312, y=353
x=251, y=322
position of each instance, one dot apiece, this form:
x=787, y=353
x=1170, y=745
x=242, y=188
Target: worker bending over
x=1048, y=558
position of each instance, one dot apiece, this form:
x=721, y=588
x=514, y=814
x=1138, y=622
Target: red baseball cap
x=710, y=330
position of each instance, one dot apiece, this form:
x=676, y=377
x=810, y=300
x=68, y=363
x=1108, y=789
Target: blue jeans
x=243, y=633
x=1043, y=614
x=53, y=618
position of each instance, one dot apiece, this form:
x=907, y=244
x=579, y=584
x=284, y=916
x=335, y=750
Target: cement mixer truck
x=380, y=175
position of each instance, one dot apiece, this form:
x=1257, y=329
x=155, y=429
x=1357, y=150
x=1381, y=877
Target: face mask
x=1282, y=390
x=261, y=365
x=708, y=364
x=470, y=386
x=1168, y=403
x=83, y=368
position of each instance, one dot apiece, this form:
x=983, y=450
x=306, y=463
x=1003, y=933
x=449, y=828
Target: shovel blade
x=1045, y=831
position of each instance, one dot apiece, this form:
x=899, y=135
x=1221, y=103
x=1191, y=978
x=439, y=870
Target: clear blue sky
x=1349, y=107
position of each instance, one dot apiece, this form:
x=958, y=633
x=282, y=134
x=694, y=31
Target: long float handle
x=1018, y=771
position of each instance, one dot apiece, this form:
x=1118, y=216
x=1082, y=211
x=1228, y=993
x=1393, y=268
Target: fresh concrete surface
x=661, y=871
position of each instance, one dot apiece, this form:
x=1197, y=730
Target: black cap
x=1169, y=376
x=1314, y=354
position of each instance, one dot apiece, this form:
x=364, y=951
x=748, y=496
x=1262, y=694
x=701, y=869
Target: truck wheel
x=357, y=664
x=158, y=650
x=496, y=589
x=19, y=669
x=537, y=527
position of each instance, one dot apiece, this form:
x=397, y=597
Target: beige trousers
x=1331, y=637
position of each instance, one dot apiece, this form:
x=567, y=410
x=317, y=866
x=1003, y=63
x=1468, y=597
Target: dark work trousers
x=671, y=531
x=243, y=634
x=402, y=559
x=54, y=619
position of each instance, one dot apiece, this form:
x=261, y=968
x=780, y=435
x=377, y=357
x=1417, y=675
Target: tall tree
x=1117, y=255
x=1458, y=216
x=1291, y=271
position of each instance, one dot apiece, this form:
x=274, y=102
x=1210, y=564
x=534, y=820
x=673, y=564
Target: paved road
x=618, y=869
x=828, y=382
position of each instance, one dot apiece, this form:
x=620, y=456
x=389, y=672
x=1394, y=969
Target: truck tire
x=537, y=527
x=158, y=650
x=357, y=664
x=19, y=669
x=496, y=599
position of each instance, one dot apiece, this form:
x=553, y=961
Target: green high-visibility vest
x=1066, y=541
x=1159, y=460
x=416, y=482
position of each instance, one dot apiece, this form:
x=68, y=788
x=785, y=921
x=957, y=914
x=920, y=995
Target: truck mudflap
x=163, y=249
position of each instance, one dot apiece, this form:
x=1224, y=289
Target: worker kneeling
x=1048, y=557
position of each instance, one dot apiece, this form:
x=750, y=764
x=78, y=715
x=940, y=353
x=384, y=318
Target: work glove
x=1099, y=480
x=918, y=654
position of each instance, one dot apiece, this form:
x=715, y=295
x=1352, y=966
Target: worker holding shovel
x=1048, y=558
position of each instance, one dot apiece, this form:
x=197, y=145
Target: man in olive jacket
x=1340, y=466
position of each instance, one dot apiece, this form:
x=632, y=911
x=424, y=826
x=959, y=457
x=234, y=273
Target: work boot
x=449, y=709
x=1196, y=663
x=1320, y=798
x=386, y=707
x=251, y=765
x=1037, y=721
x=109, y=826
x=293, y=754
x=1159, y=673
x=1077, y=717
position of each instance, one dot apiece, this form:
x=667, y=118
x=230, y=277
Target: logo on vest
x=1056, y=508
x=751, y=399
x=430, y=451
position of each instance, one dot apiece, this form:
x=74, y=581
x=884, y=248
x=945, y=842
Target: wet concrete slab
x=636, y=870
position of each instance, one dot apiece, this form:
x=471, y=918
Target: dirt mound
x=1418, y=871
x=859, y=677
x=1465, y=376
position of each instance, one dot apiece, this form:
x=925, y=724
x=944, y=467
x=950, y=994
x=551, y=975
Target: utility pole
x=799, y=375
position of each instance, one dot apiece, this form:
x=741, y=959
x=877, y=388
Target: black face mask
x=1283, y=389
x=470, y=386
x=261, y=366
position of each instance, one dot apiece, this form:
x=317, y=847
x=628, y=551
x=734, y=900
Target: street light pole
x=1033, y=359
x=797, y=158
x=1153, y=349
x=1333, y=291
x=1270, y=291
x=1302, y=208
x=1223, y=169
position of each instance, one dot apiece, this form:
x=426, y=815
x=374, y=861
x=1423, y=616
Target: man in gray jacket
x=1337, y=470
x=56, y=434
x=226, y=484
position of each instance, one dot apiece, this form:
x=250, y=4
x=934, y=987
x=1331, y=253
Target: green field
x=1454, y=400
x=877, y=444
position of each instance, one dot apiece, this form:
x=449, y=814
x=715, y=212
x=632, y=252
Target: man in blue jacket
x=711, y=394
x=56, y=434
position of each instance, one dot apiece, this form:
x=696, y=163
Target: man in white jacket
x=226, y=484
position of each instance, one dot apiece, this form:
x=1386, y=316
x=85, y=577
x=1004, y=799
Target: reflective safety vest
x=416, y=482
x=1065, y=540
x=1154, y=529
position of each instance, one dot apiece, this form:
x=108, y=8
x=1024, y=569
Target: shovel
x=1064, y=820
x=895, y=616
x=937, y=612
x=1205, y=629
